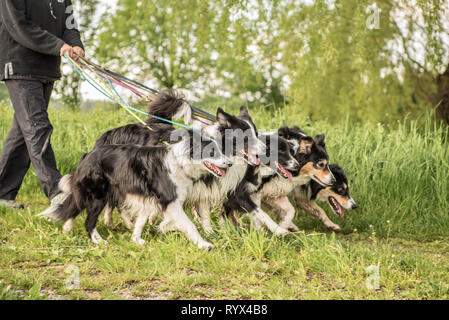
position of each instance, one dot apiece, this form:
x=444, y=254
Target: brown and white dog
x=313, y=165
x=306, y=196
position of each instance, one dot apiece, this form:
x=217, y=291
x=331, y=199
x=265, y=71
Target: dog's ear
x=244, y=112
x=223, y=118
x=305, y=145
x=320, y=140
x=297, y=130
x=284, y=132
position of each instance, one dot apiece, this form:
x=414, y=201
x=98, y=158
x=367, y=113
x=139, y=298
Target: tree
x=352, y=58
x=167, y=40
x=334, y=59
x=442, y=96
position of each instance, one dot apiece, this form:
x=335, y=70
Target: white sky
x=90, y=93
x=87, y=91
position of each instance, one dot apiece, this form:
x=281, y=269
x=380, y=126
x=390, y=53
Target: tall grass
x=399, y=175
x=399, y=178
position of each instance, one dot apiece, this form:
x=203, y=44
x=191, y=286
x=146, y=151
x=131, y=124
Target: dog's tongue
x=341, y=212
x=337, y=207
x=218, y=171
x=287, y=174
x=222, y=172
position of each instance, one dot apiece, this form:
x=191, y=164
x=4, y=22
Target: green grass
x=399, y=178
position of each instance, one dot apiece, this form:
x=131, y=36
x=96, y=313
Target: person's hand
x=66, y=49
x=78, y=52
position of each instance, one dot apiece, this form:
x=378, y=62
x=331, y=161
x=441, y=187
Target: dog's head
x=191, y=149
x=311, y=154
x=213, y=159
x=337, y=195
x=279, y=156
x=293, y=135
x=238, y=135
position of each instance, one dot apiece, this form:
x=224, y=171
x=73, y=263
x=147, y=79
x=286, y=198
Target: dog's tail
x=170, y=105
x=64, y=184
x=67, y=207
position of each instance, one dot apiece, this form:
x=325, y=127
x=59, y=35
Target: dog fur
x=306, y=196
x=144, y=180
x=312, y=160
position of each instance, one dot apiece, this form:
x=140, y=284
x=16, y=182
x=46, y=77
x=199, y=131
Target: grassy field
x=399, y=178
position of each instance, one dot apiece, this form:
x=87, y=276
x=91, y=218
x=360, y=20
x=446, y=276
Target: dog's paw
x=293, y=228
x=139, y=242
x=101, y=242
x=281, y=232
x=205, y=246
x=334, y=227
x=68, y=226
x=290, y=227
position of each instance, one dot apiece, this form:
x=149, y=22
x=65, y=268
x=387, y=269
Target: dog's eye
x=321, y=165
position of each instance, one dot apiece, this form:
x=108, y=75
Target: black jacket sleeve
x=71, y=33
x=25, y=32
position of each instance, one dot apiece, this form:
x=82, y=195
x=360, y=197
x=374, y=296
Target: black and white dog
x=236, y=134
x=279, y=162
x=145, y=180
x=208, y=190
x=313, y=164
x=312, y=157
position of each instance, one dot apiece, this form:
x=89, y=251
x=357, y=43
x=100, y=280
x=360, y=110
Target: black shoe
x=11, y=204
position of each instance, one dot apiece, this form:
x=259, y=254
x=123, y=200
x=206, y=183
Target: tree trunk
x=443, y=96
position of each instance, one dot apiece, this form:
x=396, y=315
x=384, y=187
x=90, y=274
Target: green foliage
x=398, y=174
x=329, y=57
x=399, y=178
x=166, y=40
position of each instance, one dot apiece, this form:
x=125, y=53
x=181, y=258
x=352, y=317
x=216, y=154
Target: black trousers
x=29, y=140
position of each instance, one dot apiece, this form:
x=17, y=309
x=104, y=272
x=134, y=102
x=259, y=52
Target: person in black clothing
x=34, y=34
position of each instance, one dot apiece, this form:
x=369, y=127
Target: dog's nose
x=296, y=166
x=354, y=206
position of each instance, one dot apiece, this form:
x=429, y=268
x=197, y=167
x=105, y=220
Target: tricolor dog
x=143, y=180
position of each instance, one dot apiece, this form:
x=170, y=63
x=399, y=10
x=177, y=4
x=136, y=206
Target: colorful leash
x=197, y=110
x=105, y=87
x=137, y=88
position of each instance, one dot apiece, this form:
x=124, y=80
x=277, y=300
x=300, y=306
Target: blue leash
x=155, y=91
x=121, y=99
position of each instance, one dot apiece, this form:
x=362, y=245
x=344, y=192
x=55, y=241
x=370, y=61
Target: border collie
x=279, y=163
x=209, y=190
x=313, y=163
x=146, y=180
x=239, y=136
x=305, y=197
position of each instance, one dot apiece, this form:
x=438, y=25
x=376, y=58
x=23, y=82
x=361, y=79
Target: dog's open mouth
x=216, y=171
x=250, y=158
x=284, y=173
x=321, y=182
x=336, y=206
